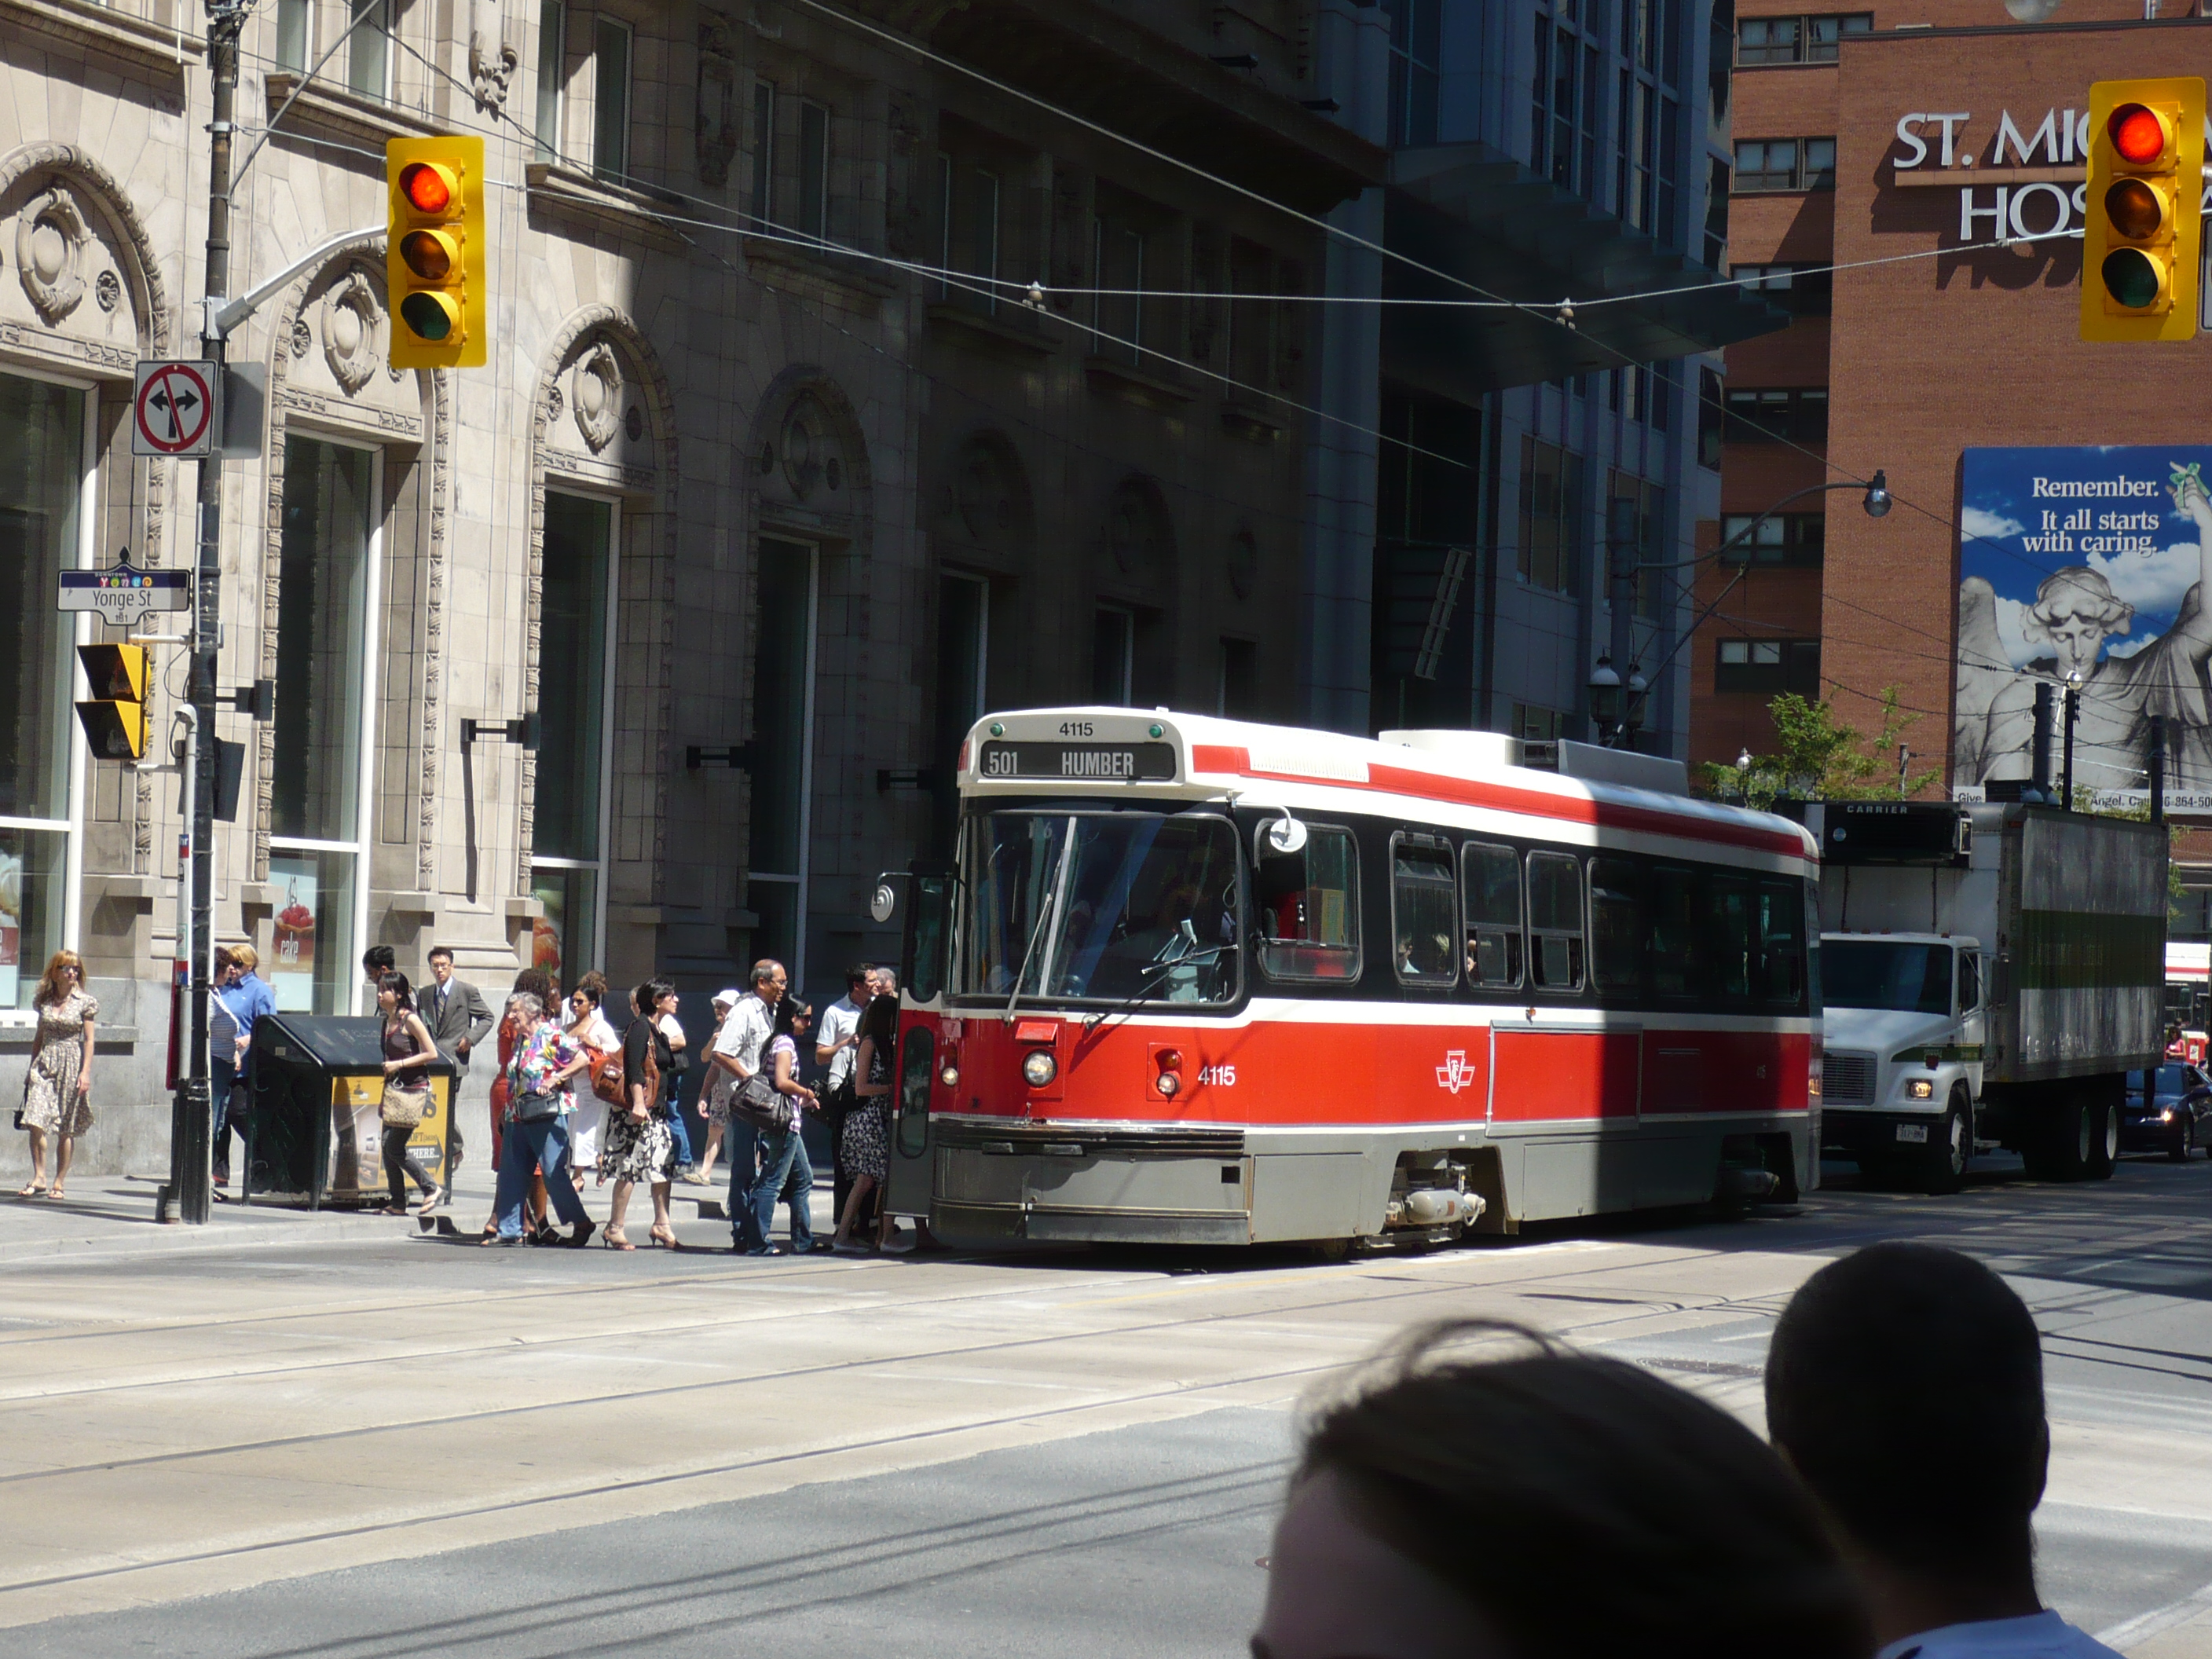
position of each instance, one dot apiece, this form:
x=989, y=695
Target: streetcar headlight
x=1167, y=1084
x=1039, y=1069
x=950, y=1077
x=1921, y=1089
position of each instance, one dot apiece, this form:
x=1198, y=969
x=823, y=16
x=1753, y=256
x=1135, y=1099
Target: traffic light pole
x=192, y=1123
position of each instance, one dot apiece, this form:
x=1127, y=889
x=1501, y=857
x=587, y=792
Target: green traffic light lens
x=428, y=319
x=2133, y=209
x=2130, y=278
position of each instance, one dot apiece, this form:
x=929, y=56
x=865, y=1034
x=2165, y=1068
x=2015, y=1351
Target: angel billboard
x=2086, y=566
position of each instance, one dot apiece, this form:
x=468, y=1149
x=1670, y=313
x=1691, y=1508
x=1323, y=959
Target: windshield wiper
x=1150, y=971
x=1036, y=933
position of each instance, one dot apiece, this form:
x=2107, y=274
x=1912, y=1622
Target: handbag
x=606, y=1072
x=536, y=1106
x=402, y=1108
x=758, y=1103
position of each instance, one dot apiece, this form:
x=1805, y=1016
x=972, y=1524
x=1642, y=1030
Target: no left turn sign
x=173, y=413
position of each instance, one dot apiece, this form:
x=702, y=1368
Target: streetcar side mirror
x=1286, y=835
x=882, y=903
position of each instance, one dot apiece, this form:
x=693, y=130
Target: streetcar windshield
x=1874, y=973
x=1121, y=906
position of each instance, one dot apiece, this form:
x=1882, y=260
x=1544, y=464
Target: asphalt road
x=365, y=1448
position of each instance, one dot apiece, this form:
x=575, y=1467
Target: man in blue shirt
x=1905, y=1384
x=239, y=997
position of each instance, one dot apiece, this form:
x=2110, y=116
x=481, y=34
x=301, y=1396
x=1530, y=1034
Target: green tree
x=1818, y=757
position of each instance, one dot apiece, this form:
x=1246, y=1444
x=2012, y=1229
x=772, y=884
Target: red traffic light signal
x=434, y=252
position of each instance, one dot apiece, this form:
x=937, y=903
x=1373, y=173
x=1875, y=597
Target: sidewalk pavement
x=113, y=1215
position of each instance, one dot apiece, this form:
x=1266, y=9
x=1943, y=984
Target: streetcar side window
x=1555, y=921
x=1616, y=926
x=1423, y=901
x=1490, y=879
x=1308, y=905
x=1781, y=919
x=1729, y=937
x=1670, y=950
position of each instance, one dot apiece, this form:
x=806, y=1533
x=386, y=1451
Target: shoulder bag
x=757, y=1102
x=607, y=1076
x=402, y=1108
x=536, y=1106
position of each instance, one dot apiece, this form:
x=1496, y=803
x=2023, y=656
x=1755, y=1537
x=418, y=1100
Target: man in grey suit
x=459, y=1019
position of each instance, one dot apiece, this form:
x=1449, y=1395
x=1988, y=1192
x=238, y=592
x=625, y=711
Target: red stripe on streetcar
x=1503, y=797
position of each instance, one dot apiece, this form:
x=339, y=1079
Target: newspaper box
x=315, y=1129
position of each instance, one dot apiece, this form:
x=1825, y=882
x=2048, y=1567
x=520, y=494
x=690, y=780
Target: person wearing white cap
x=715, y=1097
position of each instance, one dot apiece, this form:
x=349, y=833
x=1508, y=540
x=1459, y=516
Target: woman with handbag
x=588, y=1028
x=530, y=982
x=540, y=1101
x=407, y=1051
x=638, y=1145
x=865, y=1140
x=58, y=1085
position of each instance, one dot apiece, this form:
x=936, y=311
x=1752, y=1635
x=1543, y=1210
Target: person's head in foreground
x=1527, y=1502
x=1906, y=1385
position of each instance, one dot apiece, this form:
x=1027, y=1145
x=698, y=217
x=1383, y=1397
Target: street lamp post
x=1876, y=502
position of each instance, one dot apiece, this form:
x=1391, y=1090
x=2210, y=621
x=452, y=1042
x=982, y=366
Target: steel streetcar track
x=771, y=1378
x=608, y=1488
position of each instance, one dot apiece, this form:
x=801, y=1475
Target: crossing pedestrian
x=639, y=1147
x=407, y=1050
x=459, y=1019
x=865, y=1143
x=588, y=1026
x=671, y=1053
x=57, y=1084
x=761, y=1157
x=1905, y=1384
x=834, y=1047
x=530, y=982
x=1545, y=1504
x=714, y=1090
x=541, y=1073
x=794, y=1019
x=240, y=997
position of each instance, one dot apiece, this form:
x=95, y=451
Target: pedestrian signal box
x=114, y=717
x=434, y=251
x=2143, y=225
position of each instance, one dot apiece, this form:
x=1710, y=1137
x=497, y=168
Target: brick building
x=1888, y=134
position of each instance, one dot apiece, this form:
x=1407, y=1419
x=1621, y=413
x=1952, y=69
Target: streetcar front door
x=910, y=1156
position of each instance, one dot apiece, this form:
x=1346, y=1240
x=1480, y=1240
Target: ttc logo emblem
x=1456, y=1074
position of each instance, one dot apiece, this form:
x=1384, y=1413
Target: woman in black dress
x=865, y=1138
x=638, y=1146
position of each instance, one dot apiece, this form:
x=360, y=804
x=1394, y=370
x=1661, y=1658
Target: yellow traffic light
x=2143, y=231
x=114, y=719
x=434, y=251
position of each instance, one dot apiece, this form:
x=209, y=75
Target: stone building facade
x=777, y=476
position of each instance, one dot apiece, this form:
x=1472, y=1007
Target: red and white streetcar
x=1198, y=981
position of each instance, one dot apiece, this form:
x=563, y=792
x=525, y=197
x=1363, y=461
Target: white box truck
x=1988, y=975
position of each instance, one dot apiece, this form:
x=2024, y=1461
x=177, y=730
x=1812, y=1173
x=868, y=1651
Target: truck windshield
x=1121, y=906
x=1880, y=973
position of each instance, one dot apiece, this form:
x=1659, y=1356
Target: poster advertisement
x=11, y=930
x=2089, y=566
x=292, y=957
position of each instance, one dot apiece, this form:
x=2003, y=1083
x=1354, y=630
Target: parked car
x=2177, y=1117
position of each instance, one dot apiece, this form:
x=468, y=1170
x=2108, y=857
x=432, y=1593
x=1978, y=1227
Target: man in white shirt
x=837, y=1037
x=1905, y=1384
x=740, y=1049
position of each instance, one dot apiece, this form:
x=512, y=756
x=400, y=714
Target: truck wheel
x=2058, y=1149
x=2104, y=1137
x=1950, y=1148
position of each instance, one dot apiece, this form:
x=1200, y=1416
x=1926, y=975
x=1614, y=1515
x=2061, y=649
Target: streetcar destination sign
x=1079, y=762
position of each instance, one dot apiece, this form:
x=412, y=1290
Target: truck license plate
x=1915, y=1132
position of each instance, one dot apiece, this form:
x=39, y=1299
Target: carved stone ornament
x=1136, y=538
x=1244, y=564
x=807, y=444
x=107, y=290
x=492, y=56
x=50, y=239
x=596, y=390
x=554, y=402
x=719, y=115
x=352, y=318
x=303, y=338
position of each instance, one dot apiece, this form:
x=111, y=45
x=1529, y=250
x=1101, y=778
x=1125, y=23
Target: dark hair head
x=596, y=983
x=648, y=996
x=859, y=972
x=533, y=983
x=379, y=959
x=879, y=1020
x=1583, y=1506
x=437, y=951
x=396, y=982
x=1905, y=1383
x=790, y=1010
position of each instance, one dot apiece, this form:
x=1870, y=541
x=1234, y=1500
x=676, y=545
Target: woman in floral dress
x=638, y=1146
x=56, y=1096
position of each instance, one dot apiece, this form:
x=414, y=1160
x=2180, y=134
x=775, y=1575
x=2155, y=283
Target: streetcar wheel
x=1943, y=1165
x=1332, y=1249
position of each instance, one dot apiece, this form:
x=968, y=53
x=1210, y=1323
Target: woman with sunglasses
x=57, y=1093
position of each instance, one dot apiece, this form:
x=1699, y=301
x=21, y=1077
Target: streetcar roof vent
x=1468, y=748
x=1593, y=764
